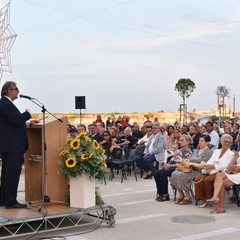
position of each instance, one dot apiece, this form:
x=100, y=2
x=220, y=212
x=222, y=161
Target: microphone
x=24, y=96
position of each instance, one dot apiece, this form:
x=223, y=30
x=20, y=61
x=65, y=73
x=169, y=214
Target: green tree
x=184, y=87
x=222, y=92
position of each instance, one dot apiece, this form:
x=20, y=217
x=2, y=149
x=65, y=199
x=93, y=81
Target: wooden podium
x=35, y=177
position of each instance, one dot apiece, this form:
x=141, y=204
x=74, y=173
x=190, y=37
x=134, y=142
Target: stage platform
x=51, y=217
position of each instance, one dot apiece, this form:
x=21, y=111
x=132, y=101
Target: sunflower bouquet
x=82, y=155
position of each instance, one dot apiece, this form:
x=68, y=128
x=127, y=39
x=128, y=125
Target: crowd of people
x=205, y=156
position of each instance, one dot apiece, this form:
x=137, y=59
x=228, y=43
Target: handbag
x=212, y=172
x=183, y=167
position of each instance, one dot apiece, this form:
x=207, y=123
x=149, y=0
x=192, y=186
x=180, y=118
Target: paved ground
x=140, y=217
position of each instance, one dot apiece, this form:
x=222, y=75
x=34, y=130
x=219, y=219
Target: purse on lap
x=212, y=172
x=183, y=167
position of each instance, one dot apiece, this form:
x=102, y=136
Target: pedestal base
x=82, y=192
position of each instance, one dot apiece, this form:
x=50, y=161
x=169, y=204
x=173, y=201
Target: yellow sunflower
x=81, y=134
x=103, y=162
x=84, y=157
x=75, y=144
x=70, y=162
x=90, y=155
x=103, y=151
x=63, y=153
x=68, y=140
x=86, y=138
x=95, y=144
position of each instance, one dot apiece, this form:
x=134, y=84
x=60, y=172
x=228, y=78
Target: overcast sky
x=124, y=56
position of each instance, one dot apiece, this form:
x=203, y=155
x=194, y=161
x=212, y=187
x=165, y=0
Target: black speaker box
x=80, y=102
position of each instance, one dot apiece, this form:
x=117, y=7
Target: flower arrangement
x=82, y=155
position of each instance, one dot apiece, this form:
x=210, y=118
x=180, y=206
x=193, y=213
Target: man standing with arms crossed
x=13, y=144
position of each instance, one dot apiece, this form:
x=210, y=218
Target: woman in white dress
x=224, y=180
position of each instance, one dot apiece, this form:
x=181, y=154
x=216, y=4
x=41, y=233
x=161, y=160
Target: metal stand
x=45, y=198
x=80, y=116
x=78, y=219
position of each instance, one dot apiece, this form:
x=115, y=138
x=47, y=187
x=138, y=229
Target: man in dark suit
x=93, y=134
x=13, y=144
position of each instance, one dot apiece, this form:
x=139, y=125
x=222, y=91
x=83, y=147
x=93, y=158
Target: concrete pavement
x=140, y=217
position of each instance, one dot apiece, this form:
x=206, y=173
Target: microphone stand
x=45, y=198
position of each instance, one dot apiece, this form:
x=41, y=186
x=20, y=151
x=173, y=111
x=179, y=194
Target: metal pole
x=80, y=116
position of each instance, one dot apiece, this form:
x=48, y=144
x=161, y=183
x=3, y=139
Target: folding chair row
x=124, y=161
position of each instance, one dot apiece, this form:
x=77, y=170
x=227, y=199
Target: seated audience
x=170, y=130
x=213, y=145
x=177, y=125
x=142, y=143
x=114, y=134
x=182, y=181
x=126, y=138
x=93, y=134
x=219, y=161
x=154, y=151
x=203, y=130
x=69, y=127
x=195, y=136
x=129, y=122
x=99, y=121
x=235, y=131
x=185, y=129
x=118, y=122
x=172, y=145
x=143, y=129
x=225, y=180
x=221, y=127
x=136, y=134
x=124, y=123
x=227, y=130
x=144, y=140
x=81, y=128
x=73, y=133
x=100, y=130
x=161, y=176
x=107, y=144
x=108, y=122
x=163, y=130
x=148, y=121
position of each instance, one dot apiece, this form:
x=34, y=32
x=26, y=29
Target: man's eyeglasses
x=14, y=89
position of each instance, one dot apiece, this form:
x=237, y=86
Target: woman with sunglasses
x=107, y=144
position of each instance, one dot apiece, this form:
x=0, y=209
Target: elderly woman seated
x=218, y=162
x=182, y=181
x=161, y=176
x=126, y=139
x=224, y=180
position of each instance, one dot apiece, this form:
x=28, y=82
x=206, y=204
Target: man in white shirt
x=213, y=145
x=154, y=151
x=144, y=140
